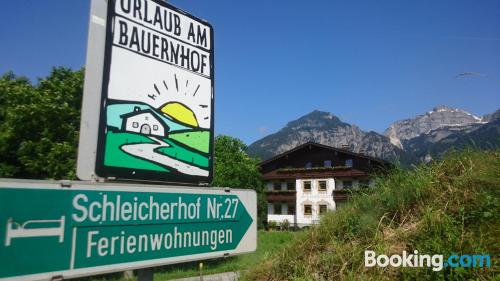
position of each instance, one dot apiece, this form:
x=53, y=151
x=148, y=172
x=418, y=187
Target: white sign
x=156, y=98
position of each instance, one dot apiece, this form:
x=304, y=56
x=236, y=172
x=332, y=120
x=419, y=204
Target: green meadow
x=198, y=140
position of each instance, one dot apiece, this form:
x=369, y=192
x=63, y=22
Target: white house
x=313, y=197
x=311, y=179
x=144, y=122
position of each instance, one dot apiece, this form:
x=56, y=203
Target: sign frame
x=93, y=132
x=243, y=246
x=89, y=123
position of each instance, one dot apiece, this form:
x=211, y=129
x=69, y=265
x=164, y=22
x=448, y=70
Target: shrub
x=272, y=225
x=285, y=224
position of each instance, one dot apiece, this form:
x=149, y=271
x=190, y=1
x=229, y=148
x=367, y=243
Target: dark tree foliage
x=39, y=125
x=235, y=169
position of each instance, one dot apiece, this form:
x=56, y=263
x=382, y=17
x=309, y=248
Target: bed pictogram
x=34, y=228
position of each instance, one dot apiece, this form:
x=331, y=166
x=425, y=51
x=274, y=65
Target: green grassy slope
x=451, y=206
x=180, y=153
x=198, y=140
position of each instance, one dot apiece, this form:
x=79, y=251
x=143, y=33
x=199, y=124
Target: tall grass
x=450, y=206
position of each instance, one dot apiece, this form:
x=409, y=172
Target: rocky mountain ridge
x=328, y=129
x=438, y=118
x=407, y=141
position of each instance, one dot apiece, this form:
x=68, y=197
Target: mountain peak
x=446, y=109
x=315, y=119
x=318, y=113
x=441, y=108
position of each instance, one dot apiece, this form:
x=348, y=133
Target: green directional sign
x=49, y=229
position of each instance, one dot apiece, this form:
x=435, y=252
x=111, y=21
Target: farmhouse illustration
x=144, y=122
x=163, y=130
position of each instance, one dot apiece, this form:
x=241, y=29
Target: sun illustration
x=180, y=113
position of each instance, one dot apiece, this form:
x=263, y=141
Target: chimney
x=346, y=147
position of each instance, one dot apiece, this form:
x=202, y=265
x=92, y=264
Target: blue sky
x=368, y=62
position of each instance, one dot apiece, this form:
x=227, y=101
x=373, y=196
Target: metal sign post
x=145, y=274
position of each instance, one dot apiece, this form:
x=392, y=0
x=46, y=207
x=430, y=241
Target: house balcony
x=318, y=172
x=281, y=196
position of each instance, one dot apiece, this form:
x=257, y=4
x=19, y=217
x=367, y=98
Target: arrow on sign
x=96, y=228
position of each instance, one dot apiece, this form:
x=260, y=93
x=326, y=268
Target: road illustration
x=147, y=151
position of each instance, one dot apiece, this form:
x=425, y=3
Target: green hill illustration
x=166, y=139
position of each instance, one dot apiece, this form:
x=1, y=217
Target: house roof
x=137, y=112
x=307, y=144
x=143, y=111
